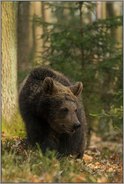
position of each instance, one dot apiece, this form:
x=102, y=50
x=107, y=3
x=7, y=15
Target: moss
x=15, y=127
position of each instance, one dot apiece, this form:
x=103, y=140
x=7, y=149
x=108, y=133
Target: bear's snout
x=76, y=125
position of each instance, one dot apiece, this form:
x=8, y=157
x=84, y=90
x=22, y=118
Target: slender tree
x=23, y=35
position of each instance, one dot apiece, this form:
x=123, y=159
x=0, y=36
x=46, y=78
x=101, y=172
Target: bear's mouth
x=68, y=130
x=74, y=129
x=71, y=131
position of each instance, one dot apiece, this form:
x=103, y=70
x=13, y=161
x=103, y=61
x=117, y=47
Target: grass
x=25, y=164
x=20, y=165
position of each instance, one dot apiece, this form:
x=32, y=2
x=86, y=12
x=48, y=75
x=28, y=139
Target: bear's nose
x=76, y=125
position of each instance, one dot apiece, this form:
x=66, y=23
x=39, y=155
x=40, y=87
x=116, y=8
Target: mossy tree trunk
x=9, y=59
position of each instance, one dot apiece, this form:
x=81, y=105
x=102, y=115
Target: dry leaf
x=87, y=158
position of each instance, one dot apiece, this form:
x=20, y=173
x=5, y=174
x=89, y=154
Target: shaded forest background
x=83, y=40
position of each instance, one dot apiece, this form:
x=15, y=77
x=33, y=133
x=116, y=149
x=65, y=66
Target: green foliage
x=21, y=163
x=32, y=166
x=87, y=51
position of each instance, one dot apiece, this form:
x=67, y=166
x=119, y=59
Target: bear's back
x=40, y=73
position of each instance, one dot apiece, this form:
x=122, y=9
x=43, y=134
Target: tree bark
x=9, y=59
x=24, y=46
x=115, y=9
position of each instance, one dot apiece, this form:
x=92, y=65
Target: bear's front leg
x=50, y=143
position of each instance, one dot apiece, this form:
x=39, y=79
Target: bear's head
x=62, y=107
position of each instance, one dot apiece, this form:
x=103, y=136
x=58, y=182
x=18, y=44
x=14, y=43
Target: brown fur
x=54, y=118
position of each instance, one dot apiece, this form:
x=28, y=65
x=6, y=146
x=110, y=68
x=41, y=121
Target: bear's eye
x=64, y=110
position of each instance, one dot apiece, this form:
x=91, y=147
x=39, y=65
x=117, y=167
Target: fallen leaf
x=87, y=158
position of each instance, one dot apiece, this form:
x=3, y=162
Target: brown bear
x=53, y=116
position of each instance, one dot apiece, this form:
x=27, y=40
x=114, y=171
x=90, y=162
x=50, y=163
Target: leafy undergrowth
x=102, y=161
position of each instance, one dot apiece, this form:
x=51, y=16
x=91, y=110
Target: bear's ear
x=77, y=88
x=48, y=85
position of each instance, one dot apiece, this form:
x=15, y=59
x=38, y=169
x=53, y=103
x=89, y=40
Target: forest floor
x=102, y=162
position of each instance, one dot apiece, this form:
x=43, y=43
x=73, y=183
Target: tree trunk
x=101, y=10
x=37, y=31
x=24, y=46
x=9, y=59
x=115, y=9
x=29, y=42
